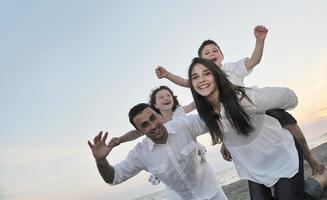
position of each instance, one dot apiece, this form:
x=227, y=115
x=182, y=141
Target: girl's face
x=203, y=81
x=164, y=100
x=212, y=52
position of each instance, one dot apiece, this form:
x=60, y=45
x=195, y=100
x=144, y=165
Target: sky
x=69, y=69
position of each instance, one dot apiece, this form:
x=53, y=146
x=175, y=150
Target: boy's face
x=213, y=53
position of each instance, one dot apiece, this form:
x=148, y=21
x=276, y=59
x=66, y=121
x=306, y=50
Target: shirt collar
x=170, y=131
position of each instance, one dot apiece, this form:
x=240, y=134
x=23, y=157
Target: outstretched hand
x=260, y=32
x=161, y=72
x=100, y=149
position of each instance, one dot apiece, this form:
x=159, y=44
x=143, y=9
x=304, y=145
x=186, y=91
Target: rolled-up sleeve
x=270, y=98
x=128, y=168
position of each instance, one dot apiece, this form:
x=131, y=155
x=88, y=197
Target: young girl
x=262, y=151
x=163, y=100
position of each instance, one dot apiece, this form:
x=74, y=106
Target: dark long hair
x=229, y=97
x=152, y=100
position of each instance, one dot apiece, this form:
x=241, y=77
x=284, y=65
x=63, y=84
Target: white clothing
x=180, y=112
x=176, y=163
x=236, y=71
x=268, y=153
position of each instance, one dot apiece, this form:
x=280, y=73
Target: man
x=169, y=152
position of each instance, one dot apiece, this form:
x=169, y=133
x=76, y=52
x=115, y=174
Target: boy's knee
x=284, y=118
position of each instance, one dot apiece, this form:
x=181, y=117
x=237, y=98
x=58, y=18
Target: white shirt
x=171, y=194
x=178, y=112
x=176, y=163
x=236, y=71
x=269, y=152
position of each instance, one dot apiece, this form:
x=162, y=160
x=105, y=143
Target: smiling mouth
x=204, y=86
x=214, y=59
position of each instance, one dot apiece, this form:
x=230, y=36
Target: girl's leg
x=259, y=191
x=292, y=188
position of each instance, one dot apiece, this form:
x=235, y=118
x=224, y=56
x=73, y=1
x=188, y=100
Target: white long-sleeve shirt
x=176, y=163
x=269, y=152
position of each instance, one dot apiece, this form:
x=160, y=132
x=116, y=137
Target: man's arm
x=106, y=170
x=100, y=151
x=260, y=33
x=163, y=73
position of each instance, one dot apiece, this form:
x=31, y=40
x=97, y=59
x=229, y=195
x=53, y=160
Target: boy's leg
x=289, y=122
x=313, y=190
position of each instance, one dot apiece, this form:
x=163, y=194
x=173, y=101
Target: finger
x=321, y=169
x=96, y=138
x=105, y=137
x=90, y=144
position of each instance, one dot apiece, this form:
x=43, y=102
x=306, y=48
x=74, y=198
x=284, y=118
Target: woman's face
x=164, y=100
x=203, y=81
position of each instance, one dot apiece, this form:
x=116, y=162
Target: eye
x=207, y=73
x=145, y=125
x=194, y=77
x=152, y=118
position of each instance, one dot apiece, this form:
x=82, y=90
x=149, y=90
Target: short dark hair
x=152, y=100
x=135, y=110
x=205, y=43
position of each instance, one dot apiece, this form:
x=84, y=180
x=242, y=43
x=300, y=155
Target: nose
x=201, y=79
x=153, y=125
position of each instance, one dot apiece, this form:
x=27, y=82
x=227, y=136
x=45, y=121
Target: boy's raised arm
x=163, y=73
x=260, y=33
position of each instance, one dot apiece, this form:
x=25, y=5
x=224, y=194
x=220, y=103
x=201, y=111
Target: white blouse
x=268, y=153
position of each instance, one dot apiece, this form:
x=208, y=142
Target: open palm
x=100, y=149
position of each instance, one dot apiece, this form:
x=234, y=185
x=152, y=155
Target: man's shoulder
x=183, y=123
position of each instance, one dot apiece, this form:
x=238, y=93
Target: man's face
x=149, y=123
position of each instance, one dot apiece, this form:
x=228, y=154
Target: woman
x=263, y=152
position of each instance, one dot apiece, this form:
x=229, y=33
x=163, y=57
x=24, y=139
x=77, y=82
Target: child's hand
x=225, y=153
x=260, y=32
x=114, y=142
x=161, y=72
